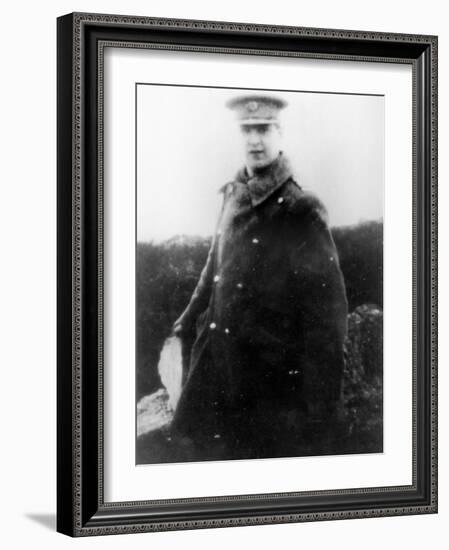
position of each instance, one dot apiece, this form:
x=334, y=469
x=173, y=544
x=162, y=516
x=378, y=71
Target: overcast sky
x=188, y=146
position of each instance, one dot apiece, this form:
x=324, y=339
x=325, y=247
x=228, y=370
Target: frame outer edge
x=77, y=269
x=77, y=21
x=232, y=26
x=65, y=424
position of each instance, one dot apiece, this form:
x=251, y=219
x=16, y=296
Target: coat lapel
x=264, y=184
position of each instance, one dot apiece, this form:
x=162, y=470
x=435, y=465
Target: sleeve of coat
x=200, y=296
x=321, y=305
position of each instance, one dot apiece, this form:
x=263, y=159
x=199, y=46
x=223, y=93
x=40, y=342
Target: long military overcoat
x=270, y=311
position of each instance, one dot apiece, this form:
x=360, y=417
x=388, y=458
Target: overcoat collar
x=265, y=183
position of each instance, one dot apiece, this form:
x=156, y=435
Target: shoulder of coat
x=226, y=187
x=306, y=204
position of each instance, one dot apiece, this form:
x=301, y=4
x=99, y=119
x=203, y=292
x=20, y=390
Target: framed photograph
x=247, y=281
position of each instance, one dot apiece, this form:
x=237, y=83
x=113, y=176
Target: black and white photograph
x=259, y=273
x=247, y=276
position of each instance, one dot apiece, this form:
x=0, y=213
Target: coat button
x=280, y=200
x=213, y=326
x=255, y=241
x=216, y=278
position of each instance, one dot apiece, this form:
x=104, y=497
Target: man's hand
x=182, y=325
x=178, y=327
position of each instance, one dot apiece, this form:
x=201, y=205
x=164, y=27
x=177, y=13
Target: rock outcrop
x=153, y=412
x=363, y=379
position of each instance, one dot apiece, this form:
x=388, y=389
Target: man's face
x=262, y=143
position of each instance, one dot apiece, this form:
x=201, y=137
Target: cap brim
x=278, y=102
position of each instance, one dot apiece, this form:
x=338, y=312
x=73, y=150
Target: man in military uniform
x=269, y=311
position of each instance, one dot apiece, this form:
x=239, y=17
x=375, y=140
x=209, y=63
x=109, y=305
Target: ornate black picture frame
x=81, y=507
